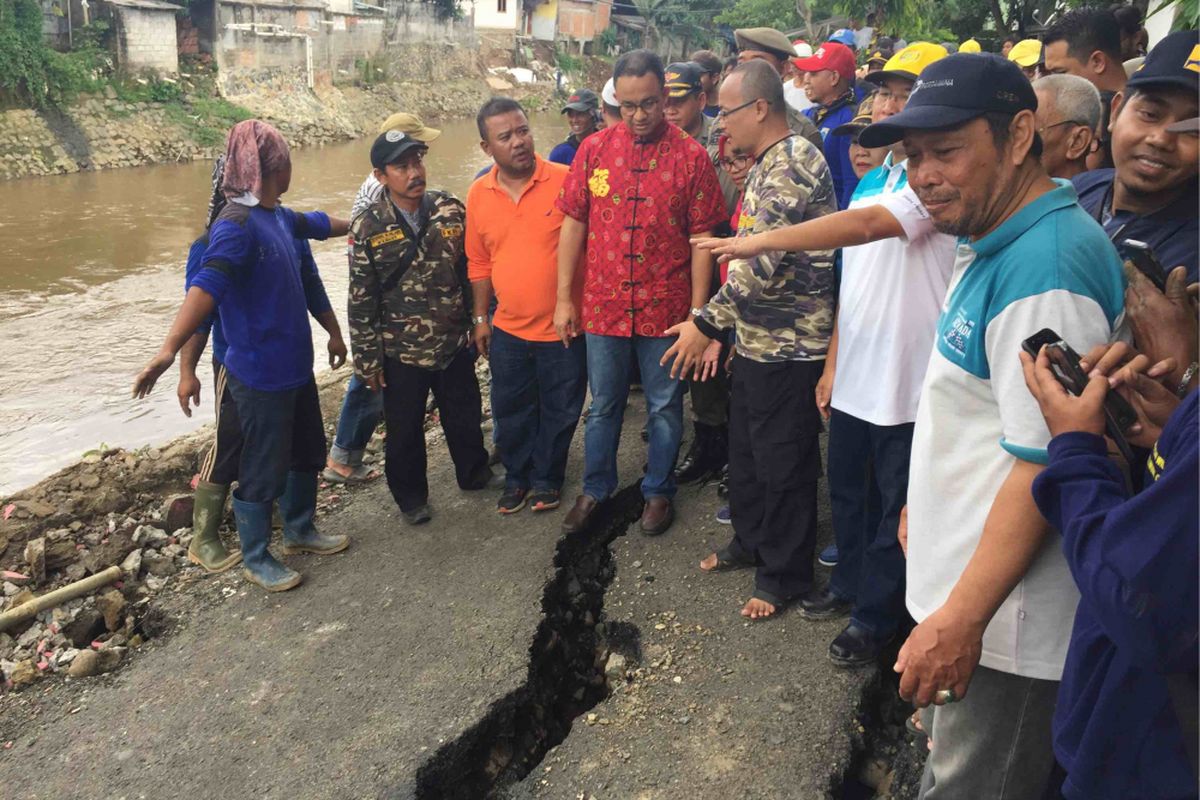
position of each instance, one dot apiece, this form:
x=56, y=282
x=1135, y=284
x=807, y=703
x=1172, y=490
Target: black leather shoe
x=824, y=605
x=856, y=647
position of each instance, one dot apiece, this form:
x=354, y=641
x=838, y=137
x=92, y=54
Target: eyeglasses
x=736, y=162
x=647, y=106
x=724, y=114
x=1044, y=128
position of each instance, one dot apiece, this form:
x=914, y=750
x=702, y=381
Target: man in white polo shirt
x=990, y=590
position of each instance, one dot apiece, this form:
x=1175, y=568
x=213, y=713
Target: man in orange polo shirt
x=538, y=386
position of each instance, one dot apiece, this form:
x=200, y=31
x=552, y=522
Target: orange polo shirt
x=516, y=245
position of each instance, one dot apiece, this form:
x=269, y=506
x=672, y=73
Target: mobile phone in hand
x=1119, y=415
x=1142, y=256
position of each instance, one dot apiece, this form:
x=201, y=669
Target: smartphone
x=1141, y=255
x=1064, y=363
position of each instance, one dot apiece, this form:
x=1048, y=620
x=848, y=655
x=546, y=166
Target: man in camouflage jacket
x=781, y=307
x=409, y=321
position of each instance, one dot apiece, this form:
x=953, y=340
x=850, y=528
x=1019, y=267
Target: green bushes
x=33, y=74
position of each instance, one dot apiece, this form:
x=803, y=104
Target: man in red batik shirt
x=635, y=195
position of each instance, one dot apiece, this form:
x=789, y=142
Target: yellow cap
x=1026, y=53
x=909, y=62
x=970, y=46
x=410, y=124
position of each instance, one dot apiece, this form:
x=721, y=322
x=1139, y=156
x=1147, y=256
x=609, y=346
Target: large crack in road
x=566, y=669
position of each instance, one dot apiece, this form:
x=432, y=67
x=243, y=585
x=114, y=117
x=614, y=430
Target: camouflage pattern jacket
x=408, y=288
x=781, y=304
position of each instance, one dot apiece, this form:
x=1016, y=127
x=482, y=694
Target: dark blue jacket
x=1135, y=560
x=837, y=148
x=1173, y=231
x=564, y=152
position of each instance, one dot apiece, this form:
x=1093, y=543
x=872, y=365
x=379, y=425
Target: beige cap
x=768, y=40
x=410, y=124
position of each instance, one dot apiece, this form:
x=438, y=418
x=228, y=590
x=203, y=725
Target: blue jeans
x=868, y=486
x=281, y=432
x=608, y=362
x=361, y=410
x=537, y=394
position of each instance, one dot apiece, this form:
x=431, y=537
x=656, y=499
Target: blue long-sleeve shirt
x=1135, y=560
x=837, y=148
x=263, y=286
x=314, y=290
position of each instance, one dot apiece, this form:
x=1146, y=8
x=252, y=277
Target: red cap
x=830, y=55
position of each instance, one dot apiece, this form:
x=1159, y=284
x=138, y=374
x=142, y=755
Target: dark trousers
x=710, y=398
x=220, y=463
x=774, y=465
x=281, y=432
x=868, y=487
x=456, y=391
x=537, y=396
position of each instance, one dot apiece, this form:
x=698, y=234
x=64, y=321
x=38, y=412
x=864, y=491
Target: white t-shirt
x=795, y=96
x=1048, y=266
x=888, y=304
x=862, y=38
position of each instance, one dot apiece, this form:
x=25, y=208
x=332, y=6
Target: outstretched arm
x=197, y=305
x=841, y=229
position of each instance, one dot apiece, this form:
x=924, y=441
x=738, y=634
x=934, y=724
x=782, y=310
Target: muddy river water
x=91, y=274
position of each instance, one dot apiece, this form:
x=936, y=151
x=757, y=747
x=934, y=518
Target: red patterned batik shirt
x=641, y=200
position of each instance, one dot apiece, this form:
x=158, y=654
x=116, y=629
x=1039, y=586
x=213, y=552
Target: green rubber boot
x=206, y=548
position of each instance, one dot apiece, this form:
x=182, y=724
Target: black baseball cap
x=390, y=145
x=582, y=100
x=955, y=90
x=683, y=78
x=1175, y=61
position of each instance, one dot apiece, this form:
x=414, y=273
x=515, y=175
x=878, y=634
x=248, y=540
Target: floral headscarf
x=254, y=149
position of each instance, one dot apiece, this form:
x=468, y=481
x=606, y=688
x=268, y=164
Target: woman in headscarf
x=251, y=272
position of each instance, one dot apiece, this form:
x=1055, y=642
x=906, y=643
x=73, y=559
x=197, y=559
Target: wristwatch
x=695, y=312
x=478, y=320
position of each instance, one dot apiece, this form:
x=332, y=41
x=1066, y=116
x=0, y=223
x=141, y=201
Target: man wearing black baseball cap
x=583, y=114
x=990, y=590
x=409, y=322
x=1151, y=193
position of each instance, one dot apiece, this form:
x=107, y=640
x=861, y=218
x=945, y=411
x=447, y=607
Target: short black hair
x=1086, y=30
x=708, y=61
x=494, y=108
x=998, y=123
x=1010, y=38
x=637, y=63
x=1129, y=18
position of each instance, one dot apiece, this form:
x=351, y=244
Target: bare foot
x=758, y=609
x=710, y=563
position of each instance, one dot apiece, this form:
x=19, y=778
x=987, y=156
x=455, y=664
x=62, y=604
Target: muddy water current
x=91, y=273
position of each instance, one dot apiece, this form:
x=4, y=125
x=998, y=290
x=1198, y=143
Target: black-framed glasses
x=723, y=114
x=740, y=161
x=648, y=105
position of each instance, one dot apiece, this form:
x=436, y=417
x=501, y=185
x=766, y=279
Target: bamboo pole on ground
x=60, y=595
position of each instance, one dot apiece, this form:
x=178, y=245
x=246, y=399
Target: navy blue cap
x=1175, y=61
x=955, y=90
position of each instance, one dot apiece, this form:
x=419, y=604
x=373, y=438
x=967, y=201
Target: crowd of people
x=912, y=261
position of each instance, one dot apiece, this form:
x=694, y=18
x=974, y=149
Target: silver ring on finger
x=944, y=696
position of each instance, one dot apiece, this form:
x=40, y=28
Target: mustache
x=936, y=197
x=415, y=184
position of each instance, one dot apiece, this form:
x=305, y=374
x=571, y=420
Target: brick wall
x=147, y=39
